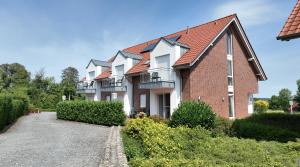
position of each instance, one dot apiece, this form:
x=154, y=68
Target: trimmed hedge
x=247, y=129
x=101, y=113
x=193, y=114
x=286, y=121
x=11, y=108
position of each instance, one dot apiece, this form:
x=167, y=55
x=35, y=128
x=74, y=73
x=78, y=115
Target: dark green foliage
x=274, y=103
x=297, y=96
x=132, y=147
x=158, y=119
x=11, y=107
x=247, y=129
x=279, y=120
x=193, y=114
x=222, y=127
x=102, y=113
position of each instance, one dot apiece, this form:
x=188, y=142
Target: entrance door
x=164, y=105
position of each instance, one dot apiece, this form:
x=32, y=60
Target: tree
x=70, y=78
x=285, y=95
x=13, y=75
x=297, y=96
x=274, y=103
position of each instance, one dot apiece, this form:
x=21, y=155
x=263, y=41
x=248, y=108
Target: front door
x=164, y=105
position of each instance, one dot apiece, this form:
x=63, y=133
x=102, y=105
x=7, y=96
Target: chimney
x=187, y=29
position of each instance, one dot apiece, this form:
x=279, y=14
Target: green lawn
x=147, y=143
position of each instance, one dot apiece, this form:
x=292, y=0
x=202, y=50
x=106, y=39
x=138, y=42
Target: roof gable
x=99, y=63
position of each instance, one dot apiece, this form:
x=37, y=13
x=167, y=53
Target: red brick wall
x=208, y=79
x=136, y=95
x=245, y=80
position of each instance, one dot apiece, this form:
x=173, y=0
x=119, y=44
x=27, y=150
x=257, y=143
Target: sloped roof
x=104, y=74
x=131, y=55
x=195, y=38
x=291, y=29
x=99, y=63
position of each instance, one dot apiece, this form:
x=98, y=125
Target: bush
x=11, y=108
x=278, y=120
x=247, y=129
x=222, y=127
x=261, y=106
x=101, y=113
x=182, y=146
x=192, y=114
x=158, y=119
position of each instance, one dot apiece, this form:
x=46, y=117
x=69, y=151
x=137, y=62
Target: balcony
x=158, y=78
x=86, y=87
x=114, y=84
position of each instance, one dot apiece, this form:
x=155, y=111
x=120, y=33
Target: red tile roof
x=291, y=29
x=104, y=74
x=197, y=38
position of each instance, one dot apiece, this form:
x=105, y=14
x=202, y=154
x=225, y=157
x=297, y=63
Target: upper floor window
x=119, y=70
x=163, y=61
x=229, y=43
x=92, y=75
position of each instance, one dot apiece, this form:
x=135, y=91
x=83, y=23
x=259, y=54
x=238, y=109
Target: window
x=231, y=105
x=229, y=43
x=119, y=70
x=92, y=75
x=143, y=101
x=230, y=72
x=107, y=98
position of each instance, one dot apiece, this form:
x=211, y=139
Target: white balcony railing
x=86, y=87
x=157, y=78
x=113, y=84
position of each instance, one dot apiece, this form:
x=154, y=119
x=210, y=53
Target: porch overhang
x=114, y=89
x=86, y=91
x=157, y=85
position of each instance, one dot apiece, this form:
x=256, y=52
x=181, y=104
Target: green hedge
x=101, y=113
x=247, y=129
x=11, y=107
x=147, y=143
x=279, y=120
x=193, y=114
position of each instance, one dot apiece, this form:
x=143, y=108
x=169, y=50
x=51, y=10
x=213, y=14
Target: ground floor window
x=107, y=98
x=164, y=105
x=143, y=101
x=231, y=105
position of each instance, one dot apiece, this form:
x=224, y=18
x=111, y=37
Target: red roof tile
x=104, y=74
x=291, y=29
x=197, y=38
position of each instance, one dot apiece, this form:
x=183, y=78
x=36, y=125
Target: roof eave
x=288, y=37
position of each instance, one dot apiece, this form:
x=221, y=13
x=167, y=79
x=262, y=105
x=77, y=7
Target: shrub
x=261, y=106
x=192, y=114
x=102, y=113
x=222, y=127
x=247, y=129
x=158, y=119
x=286, y=121
x=182, y=146
x=11, y=107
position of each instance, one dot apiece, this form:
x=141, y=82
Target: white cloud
x=250, y=12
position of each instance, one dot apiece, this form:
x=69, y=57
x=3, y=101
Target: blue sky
x=55, y=34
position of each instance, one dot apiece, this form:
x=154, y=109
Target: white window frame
x=230, y=58
x=143, y=100
x=233, y=106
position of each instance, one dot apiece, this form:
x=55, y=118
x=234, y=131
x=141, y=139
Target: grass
x=147, y=143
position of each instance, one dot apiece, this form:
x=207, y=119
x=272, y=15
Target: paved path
x=40, y=140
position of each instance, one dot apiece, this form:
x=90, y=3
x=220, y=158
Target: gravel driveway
x=39, y=140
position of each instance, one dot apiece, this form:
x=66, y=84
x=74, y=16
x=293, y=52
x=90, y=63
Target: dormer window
x=92, y=75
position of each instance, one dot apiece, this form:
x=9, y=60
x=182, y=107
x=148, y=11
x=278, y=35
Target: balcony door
x=162, y=64
x=164, y=105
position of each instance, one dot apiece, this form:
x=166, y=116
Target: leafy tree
x=297, y=96
x=70, y=78
x=13, y=75
x=274, y=103
x=285, y=95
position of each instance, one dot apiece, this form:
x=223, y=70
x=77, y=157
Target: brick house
x=212, y=62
